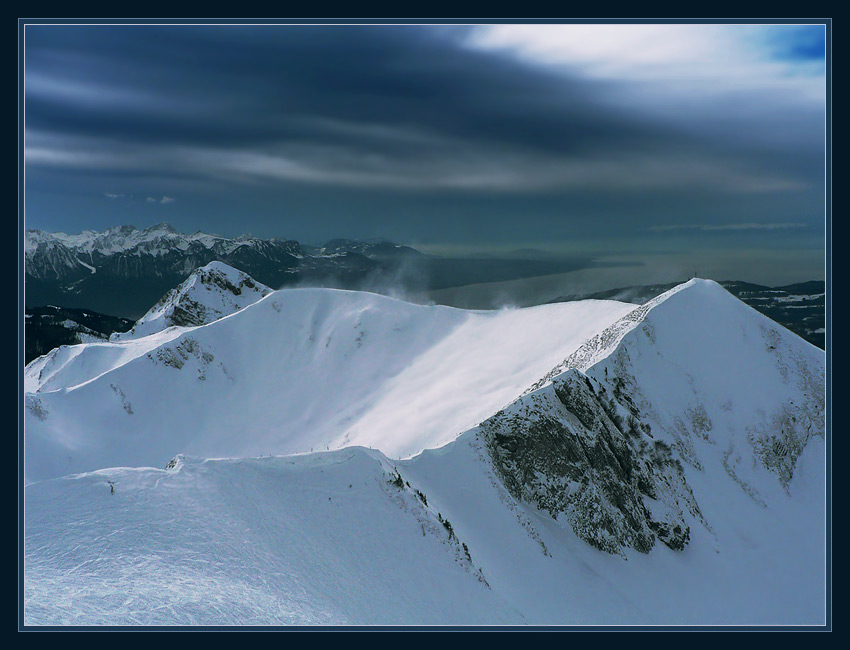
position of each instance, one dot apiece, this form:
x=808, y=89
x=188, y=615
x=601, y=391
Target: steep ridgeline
x=799, y=307
x=297, y=370
x=209, y=293
x=690, y=384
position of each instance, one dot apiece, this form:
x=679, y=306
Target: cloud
x=730, y=226
x=150, y=199
x=531, y=130
x=111, y=195
x=442, y=165
x=167, y=199
x=687, y=54
x=380, y=95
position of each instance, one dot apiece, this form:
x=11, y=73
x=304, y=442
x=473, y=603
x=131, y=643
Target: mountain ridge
x=665, y=464
x=315, y=368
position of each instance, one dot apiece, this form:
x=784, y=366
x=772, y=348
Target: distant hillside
x=49, y=327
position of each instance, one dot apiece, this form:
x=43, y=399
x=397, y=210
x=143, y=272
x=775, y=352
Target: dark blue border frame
x=827, y=22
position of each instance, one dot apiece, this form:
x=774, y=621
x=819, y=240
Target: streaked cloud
x=443, y=165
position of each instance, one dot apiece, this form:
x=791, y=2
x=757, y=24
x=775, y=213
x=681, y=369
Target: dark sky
x=606, y=138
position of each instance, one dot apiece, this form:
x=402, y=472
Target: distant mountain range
x=124, y=270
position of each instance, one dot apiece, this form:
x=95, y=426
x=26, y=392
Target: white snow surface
x=326, y=538
x=297, y=371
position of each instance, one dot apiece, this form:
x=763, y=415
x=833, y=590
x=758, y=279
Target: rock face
x=581, y=454
x=689, y=382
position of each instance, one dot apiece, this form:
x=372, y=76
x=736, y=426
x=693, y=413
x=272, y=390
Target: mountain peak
x=211, y=292
x=217, y=267
x=162, y=227
x=690, y=313
x=118, y=230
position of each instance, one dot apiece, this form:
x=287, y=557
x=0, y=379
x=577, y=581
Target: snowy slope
x=300, y=369
x=692, y=388
x=209, y=293
x=693, y=411
x=317, y=539
x=328, y=538
x=749, y=564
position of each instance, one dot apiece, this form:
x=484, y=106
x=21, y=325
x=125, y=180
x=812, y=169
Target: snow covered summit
x=209, y=293
x=690, y=385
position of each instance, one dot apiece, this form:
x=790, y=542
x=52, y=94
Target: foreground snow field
x=327, y=539
x=603, y=464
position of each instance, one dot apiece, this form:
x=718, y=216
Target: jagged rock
x=570, y=452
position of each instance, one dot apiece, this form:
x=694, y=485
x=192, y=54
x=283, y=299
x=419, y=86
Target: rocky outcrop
x=577, y=452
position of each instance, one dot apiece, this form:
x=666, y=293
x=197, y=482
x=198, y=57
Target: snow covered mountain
x=585, y=463
x=47, y=257
x=209, y=293
x=693, y=378
x=126, y=251
x=118, y=270
x=298, y=370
